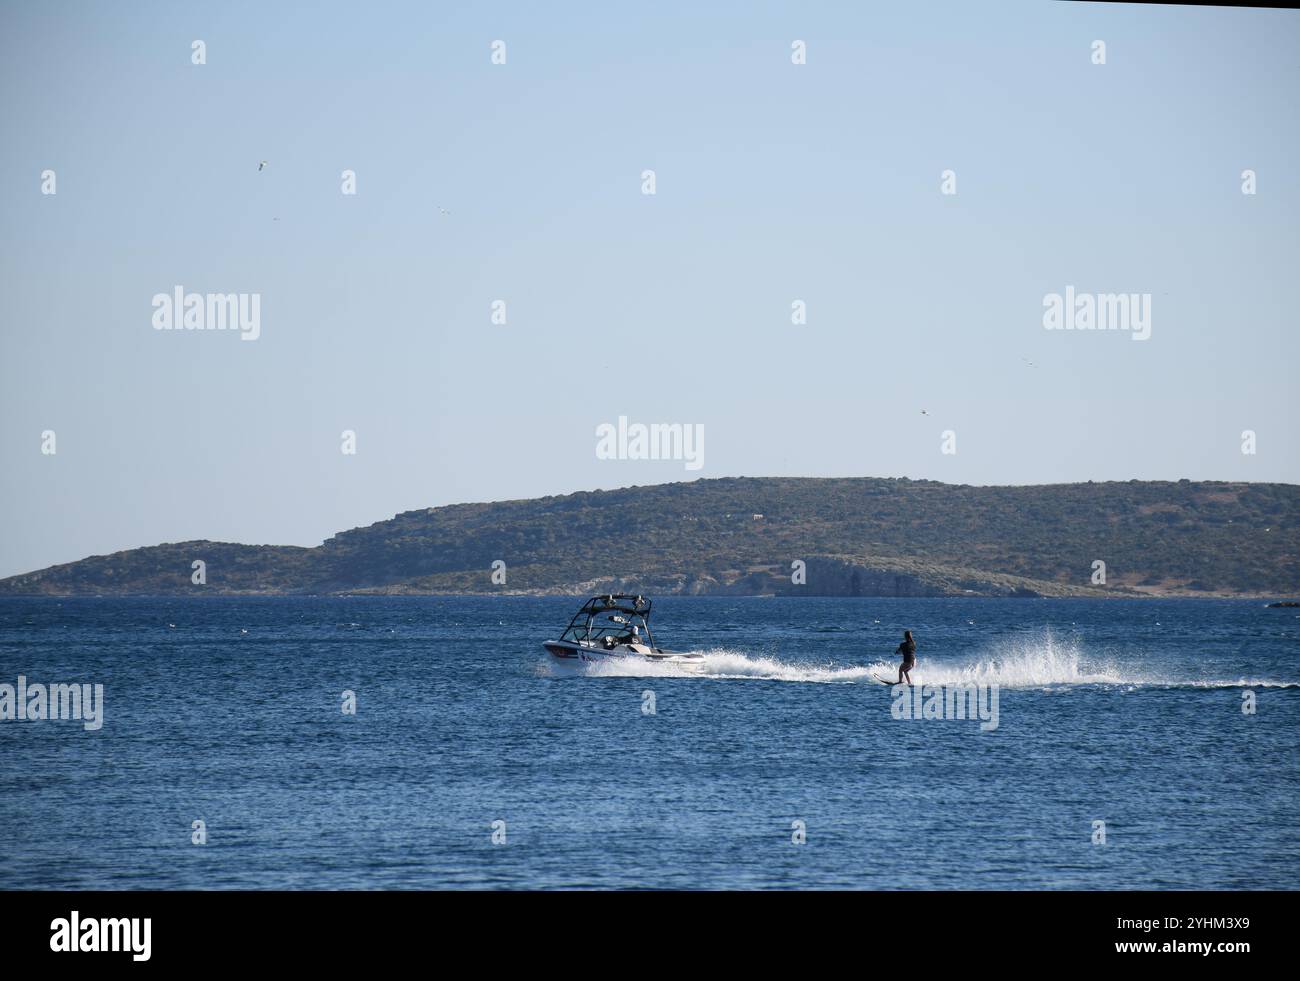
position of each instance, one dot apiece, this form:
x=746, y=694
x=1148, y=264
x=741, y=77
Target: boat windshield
x=616, y=625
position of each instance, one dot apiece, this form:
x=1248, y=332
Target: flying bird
x=444, y=211
x=261, y=166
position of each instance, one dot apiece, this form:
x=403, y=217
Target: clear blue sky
x=775, y=182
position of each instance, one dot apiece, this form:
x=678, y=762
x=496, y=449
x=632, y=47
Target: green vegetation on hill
x=866, y=536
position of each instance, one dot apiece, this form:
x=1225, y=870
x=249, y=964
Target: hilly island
x=756, y=536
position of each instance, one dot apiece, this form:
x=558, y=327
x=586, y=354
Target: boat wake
x=1040, y=662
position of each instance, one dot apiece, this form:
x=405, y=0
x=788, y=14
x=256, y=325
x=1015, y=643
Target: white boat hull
x=574, y=655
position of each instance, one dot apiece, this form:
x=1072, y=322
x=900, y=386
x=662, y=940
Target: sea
x=426, y=743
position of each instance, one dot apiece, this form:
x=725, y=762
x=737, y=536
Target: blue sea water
x=228, y=710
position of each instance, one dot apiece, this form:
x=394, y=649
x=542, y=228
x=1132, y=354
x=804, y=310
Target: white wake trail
x=1041, y=660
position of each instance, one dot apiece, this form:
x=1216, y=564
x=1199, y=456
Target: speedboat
x=614, y=627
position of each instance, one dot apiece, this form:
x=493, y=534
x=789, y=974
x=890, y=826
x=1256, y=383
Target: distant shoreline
x=1267, y=601
x=867, y=536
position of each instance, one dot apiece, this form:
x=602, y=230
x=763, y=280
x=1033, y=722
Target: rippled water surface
x=228, y=711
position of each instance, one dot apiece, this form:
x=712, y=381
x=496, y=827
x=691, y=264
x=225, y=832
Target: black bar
x=214, y=930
